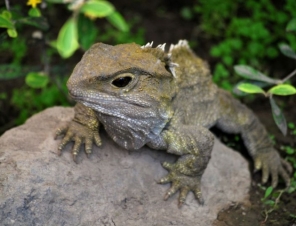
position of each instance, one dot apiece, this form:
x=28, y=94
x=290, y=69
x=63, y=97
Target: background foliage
x=42, y=41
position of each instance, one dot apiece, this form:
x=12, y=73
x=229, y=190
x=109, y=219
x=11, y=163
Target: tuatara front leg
x=84, y=128
x=194, y=145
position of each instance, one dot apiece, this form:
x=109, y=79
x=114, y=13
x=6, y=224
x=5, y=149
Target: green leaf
x=269, y=202
x=96, y=8
x=6, y=14
x=86, y=26
x=251, y=73
x=291, y=189
x=278, y=116
x=36, y=80
x=268, y=191
x=253, y=82
x=67, y=39
x=118, y=21
x=250, y=88
x=287, y=50
x=34, y=12
x=291, y=25
x=53, y=44
x=289, y=150
x=283, y=90
x=6, y=23
x=12, y=33
x=291, y=125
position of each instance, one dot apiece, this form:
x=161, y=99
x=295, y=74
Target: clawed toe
x=182, y=183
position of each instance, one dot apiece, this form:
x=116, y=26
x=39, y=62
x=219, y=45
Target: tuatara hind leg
x=237, y=118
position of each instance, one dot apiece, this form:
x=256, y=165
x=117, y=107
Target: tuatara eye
x=122, y=81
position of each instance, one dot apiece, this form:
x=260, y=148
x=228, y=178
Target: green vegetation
x=255, y=83
x=257, y=80
x=240, y=32
x=245, y=32
x=272, y=197
x=45, y=81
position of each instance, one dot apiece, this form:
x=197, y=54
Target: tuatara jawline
x=166, y=100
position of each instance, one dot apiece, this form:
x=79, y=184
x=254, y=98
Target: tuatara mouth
x=108, y=99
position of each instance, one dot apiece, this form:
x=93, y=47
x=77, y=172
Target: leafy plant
x=257, y=80
x=272, y=197
x=243, y=32
x=79, y=31
x=32, y=100
x=68, y=41
x=68, y=38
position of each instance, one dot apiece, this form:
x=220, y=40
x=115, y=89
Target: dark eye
x=122, y=81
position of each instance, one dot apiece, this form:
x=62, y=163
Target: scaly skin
x=145, y=96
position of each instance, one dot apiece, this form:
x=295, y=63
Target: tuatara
x=166, y=100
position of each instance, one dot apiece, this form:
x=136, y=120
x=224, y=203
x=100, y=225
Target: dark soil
x=163, y=24
x=256, y=213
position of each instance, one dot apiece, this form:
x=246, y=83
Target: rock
x=113, y=187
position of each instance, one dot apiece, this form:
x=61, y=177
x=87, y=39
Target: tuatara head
x=129, y=86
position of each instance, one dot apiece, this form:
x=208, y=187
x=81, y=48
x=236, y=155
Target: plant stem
x=277, y=200
x=289, y=76
x=7, y=5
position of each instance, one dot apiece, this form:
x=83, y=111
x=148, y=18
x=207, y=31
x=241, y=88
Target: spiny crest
x=159, y=52
x=148, y=45
x=181, y=43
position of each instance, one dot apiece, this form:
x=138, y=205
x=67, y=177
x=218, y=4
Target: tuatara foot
x=181, y=182
x=79, y=133
x=272, y=164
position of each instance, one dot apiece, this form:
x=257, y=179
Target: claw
x=97, y=139
x=180, y=204
x=198, y=196
x=76, y=147
x=59, y=152
x=60, y=131
x=182, y=197
x=258, y=164
x=274, y=178
x=166, y=179
x=75, y=157
x=265, y=173
x=173, y=189
x=65, y=140
x=88, y=146
x=285, y=176
x=287, y=165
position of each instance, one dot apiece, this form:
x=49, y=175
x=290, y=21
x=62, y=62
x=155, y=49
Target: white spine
x=148, y=45
x=181, y=43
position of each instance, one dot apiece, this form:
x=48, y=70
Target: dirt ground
x=257, y=214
